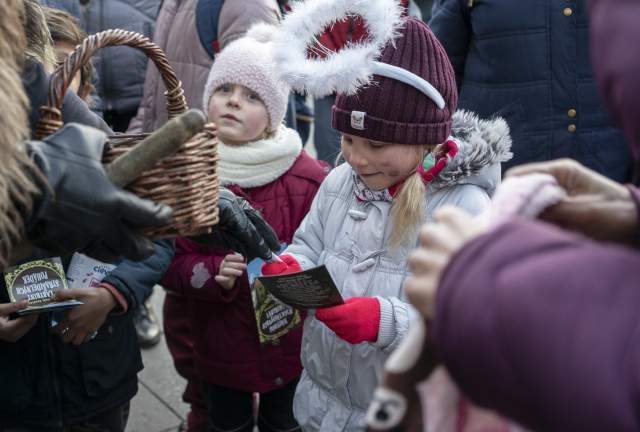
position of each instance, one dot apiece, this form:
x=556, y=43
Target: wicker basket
x=187, y=181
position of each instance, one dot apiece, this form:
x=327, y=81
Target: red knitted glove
x=289, y=265
x=356, y=321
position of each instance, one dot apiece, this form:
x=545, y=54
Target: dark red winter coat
x=226, y=347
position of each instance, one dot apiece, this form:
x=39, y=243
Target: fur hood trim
x=481, y=144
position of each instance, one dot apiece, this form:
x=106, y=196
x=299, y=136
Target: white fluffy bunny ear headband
x=352, y=67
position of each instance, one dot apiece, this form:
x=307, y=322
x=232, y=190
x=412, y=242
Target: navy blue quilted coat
x=528, y=61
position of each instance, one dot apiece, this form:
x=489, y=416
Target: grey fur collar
x=481, y=143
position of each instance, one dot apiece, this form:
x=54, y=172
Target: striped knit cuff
x=387, y=327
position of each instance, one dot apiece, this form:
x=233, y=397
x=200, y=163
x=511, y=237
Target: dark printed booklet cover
x=309, y=289
x=38, y=281
x=274, y=318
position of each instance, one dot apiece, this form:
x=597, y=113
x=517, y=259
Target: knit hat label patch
x=357, y=119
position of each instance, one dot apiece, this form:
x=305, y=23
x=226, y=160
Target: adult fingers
x=423, y=260
x=558, y=168
x=437, y=236
x=69, y=294
x=421, y=292
x=79, y=338
x=9, y=308
x=67, y=334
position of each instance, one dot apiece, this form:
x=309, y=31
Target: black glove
x=81, y=209
x=241, y=228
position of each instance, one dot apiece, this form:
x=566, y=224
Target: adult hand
x=231, y=268
x=79, y=208
x=84, y=320
x=439, y=241
x=12, y=330
x=241, y=229
x=595, y=206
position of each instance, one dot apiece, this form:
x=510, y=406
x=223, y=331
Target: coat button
x=357, y=214
x=279, y=381
x=572, y=113
x=567, y=12
x=572, y=128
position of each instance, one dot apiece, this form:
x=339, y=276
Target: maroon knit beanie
x=394, y=112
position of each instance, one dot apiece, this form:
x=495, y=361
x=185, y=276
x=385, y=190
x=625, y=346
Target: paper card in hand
x=309, y=289
x=86, y=272
x=273, y=318
x=38, y=281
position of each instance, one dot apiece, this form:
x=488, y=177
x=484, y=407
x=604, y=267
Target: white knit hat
x=248, y=62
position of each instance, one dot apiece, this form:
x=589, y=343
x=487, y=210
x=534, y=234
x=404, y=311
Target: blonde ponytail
x=407, y=211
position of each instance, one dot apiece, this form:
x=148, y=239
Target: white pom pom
x=263, y=32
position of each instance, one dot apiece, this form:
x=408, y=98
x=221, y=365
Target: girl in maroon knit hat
x=395, y=110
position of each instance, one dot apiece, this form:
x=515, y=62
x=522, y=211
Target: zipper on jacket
x=54, y=379
x=367, y=294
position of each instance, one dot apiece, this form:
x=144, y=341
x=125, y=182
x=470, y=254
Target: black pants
x=232, y=410
x=114, y=420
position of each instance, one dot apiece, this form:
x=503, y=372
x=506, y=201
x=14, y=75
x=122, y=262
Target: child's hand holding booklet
x=308, y=289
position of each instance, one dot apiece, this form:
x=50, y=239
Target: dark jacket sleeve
x=613, y=24
x=36, y=84
x=450, y=23
x=135, y=280
x=543, y=326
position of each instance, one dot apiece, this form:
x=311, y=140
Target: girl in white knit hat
x=262, y=161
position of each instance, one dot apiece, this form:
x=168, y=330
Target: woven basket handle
x=50, y=114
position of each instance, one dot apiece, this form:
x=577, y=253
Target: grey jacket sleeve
x=395, y=316
x=308, y=242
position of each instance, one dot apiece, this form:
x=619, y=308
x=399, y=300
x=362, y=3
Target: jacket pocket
x=111, y=358
x=26, y=375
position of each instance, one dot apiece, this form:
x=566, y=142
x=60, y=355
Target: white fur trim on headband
x=344, y=72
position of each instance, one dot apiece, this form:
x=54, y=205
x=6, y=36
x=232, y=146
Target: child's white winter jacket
x=350, y=237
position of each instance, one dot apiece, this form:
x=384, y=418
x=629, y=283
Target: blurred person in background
x=530, y=64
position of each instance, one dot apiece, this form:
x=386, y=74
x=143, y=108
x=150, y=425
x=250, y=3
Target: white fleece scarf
x=257, y=163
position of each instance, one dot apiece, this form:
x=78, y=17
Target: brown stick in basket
x=125, y=169
x=162, y=143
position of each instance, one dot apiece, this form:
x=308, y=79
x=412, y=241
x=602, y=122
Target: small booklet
x=38, y=281
x=274, y=318
x=309, y=289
